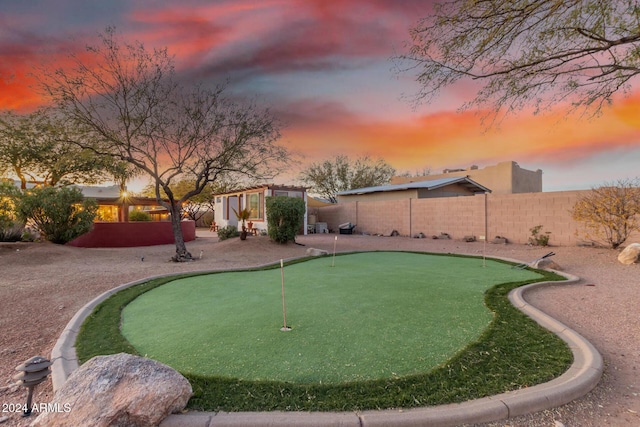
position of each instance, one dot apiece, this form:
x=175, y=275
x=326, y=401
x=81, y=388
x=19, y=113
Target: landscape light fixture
x=32, y=372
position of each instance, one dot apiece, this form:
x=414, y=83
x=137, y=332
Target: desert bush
x=285, y=216
x=610, y=213
x=139, y=216
x=11, y=233
x=538, y=238
x=29, y=235
x=10, y=225
x=228, y=232
x=59, y=214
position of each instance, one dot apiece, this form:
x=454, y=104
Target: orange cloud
x=448, y=139
x=321, y=38
x=22, y=73
x=17, y=61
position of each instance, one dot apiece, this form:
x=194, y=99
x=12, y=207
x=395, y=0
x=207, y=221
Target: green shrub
x=285, y=216
x=12, y=233
x=537, y=237
x=139, y=216
x=227, y=232
x=10, y=226
x=29, y=235
x=59, y=214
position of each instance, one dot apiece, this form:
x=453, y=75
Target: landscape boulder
x=316, y=252
x=630, y=254
x=117, y=390
x=546, y=264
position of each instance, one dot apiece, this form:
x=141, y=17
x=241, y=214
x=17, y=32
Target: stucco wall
x=453, y=190
x=226, y=203
x=503, y=178
x=508, y=215
x=131, y=234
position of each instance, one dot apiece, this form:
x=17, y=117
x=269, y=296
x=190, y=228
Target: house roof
x=95, y=192
x=428, y=185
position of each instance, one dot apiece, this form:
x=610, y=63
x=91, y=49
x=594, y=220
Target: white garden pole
x=486, y=230
x=285, y=328
x=333, y=261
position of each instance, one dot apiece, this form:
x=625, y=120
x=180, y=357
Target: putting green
x=373, y=315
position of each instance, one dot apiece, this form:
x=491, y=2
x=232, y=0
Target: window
x=297, y=194
x=255, y=205
x=107, y=213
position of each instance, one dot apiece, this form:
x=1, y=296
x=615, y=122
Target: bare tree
x=425, y=171
x=127, y=104
x=340, y=174
x=610, y=212
x=531, y=52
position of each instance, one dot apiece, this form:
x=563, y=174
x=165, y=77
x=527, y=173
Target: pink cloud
x=447, y=139
x=240, y=38
x=251, y=38
x=187, y=34
x=247, y=37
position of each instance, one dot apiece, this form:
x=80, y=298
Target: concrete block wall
x=383, y=217
x=507, y=215
x=456, y=216
x=336, y=215
x=513, y=215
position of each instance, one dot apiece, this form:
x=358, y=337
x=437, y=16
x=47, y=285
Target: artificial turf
x=372, y=315
x=508, y=351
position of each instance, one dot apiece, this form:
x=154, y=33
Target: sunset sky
x=325, y=67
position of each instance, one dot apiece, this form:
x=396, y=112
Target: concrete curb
x=579, y=379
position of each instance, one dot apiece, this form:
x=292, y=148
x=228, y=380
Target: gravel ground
x=43, y=285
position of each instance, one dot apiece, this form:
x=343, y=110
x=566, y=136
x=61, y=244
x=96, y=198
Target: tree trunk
x=182, y=254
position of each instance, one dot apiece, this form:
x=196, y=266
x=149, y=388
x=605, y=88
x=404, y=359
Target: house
x=254, y=199
x=112, y=203
x=443, y=187
x=502, y=178
x=114, y=206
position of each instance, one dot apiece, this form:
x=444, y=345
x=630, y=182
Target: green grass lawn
x=373, y=315
x=380, y=329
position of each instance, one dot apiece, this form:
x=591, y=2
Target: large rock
x=546, y=264
x=630, y=254
x=316, y=252
x=118, y=390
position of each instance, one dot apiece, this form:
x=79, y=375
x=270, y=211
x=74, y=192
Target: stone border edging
x=581, y=377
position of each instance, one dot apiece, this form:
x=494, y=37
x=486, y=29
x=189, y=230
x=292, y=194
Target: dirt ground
x=43, y=285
